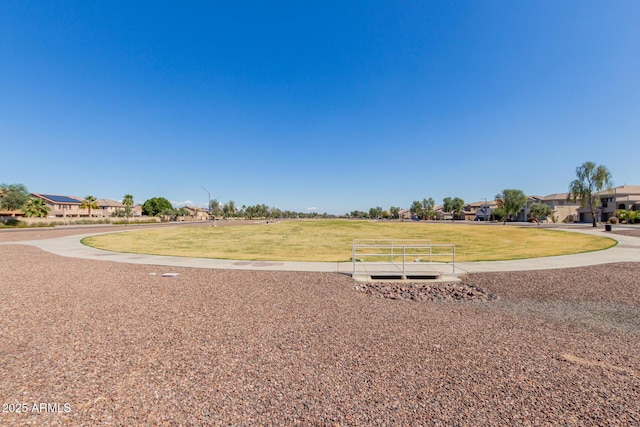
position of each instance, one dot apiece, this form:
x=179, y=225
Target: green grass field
x=331, y=240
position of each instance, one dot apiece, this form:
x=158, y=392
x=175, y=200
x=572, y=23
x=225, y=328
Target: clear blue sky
x=334, y=105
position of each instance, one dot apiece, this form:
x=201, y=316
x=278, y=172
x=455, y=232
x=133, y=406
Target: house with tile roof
x=625, y=197
x=564, y=210
x=62, y=206
x=107, y=207
x=479, y=211
x=197, y=214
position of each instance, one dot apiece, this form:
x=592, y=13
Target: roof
x=108, y=203
x=192, y=209
x=626, y=190
x=556, y=196
x=482, y=203
x=56, y=198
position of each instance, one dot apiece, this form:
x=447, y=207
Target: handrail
x=401, y=249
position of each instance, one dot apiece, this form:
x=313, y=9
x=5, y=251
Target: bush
x=13, y=222
x=613, y=220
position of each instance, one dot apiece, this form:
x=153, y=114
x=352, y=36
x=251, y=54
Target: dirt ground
x=101, y=343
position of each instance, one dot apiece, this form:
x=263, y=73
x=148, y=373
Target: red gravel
x=215, y=347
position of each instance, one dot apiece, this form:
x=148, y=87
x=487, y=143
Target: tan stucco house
x=564, y=210
x=107, y=207
x=625, y=197
x=62, y=206
x=197, y=214
x=479, y=211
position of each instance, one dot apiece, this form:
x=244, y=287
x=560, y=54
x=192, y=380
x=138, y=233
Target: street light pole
x=209, y=205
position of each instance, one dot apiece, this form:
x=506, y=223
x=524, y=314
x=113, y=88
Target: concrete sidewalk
x=627, y=250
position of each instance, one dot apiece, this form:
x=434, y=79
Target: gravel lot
x=123, y=346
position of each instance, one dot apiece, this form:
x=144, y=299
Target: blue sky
x=333, y=105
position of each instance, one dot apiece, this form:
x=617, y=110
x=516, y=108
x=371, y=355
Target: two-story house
x=626, y=197
x=107, y=207
x=62, y=206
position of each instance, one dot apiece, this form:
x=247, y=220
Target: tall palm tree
x=36, y=207
x=89, y=203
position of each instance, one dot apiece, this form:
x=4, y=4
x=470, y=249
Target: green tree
x=428, y=206
x=511, y=201
x=590, y=179
x=13, y=197
x=394, y=211
x=458, y=205
x=416, y=208
x=155, y=206
x=215, y=208
x=447, y=204
x=36, y=207
x=375, y=213
x=229, y=208
x=275, y=213
x=453, y=205
x=89, y=202
x=499, y=213
x=539, y=211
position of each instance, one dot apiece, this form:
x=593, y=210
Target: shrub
x=13, y=222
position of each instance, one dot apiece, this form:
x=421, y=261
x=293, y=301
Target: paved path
x=627, y=250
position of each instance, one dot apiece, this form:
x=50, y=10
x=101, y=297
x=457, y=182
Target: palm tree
x=36, y=207
x=89, y=203
x=127, y=200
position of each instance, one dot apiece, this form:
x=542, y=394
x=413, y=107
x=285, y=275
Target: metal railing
x=398, y=255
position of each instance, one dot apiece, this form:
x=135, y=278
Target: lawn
x=331, y=240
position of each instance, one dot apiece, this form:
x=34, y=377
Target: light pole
x=209, y=205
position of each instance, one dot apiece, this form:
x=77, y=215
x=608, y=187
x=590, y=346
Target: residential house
x=404, y=214
x=564, y=210
x=441, y=214
x=479, y=211
x=107, y=207
x=625, y=197
x=523, y=215
x=196, y=214
x=62, y=206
